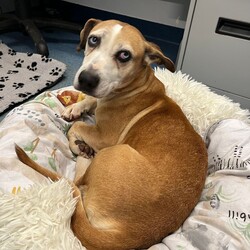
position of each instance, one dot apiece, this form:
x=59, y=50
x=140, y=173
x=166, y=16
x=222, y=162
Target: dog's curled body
x=150, y=165
x=149, y=183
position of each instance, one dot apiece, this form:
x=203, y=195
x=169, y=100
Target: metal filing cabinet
x=217, y=47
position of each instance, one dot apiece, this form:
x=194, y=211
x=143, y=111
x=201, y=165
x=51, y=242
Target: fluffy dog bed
x=35, y=213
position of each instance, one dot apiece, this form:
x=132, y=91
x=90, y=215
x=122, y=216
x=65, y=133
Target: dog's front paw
x=85, y=150
x=72, y=112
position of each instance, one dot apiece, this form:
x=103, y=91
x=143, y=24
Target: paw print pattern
x=46, y=59
x=10, y=72
x=23, y=95
x=18, y=110
x=29, y=53
x=32, y=67
x=1, y=87
x=15, y=110
x=11, y=52
x=31, y=114
x=57, y=115
x=48, y=83
x=18, y=63
x=34, y=78
x=36, y=116
x=55, y=72
x=1, y=53
x=4, y=78
x=18, y=85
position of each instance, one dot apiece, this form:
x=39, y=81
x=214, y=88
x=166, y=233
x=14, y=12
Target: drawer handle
x=233, y=28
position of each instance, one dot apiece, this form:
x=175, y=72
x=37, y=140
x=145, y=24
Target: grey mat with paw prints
x=23, y=75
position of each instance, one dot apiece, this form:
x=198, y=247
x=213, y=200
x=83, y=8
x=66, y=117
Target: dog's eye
x=123, y=56
x=93, y=41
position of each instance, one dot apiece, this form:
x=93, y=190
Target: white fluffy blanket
x=201, y=106
x=38, y=216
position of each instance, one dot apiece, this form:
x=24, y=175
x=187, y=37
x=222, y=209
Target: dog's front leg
x=84, y=139
x=74, y=111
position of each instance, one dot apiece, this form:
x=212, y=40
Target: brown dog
x=150, y=164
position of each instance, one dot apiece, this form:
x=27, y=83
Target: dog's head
x=116, y=53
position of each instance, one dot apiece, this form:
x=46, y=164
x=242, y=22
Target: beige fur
x=150, y=164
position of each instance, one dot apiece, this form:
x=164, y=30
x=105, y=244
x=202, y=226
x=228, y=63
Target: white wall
x=169, y=12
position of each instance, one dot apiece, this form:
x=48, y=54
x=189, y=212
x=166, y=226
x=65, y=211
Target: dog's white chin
x=105, y=89
x=99, y=95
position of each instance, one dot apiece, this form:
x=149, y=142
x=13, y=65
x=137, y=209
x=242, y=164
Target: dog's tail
x=24, y=158
x=88, y=235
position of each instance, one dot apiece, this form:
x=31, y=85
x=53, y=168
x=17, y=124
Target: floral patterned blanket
x=221, y=220
x=38, y=128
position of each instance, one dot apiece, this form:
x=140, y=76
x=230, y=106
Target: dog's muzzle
x=88, y=81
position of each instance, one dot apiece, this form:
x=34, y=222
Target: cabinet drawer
x=221, y=61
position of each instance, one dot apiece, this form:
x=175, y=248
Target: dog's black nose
x=88, y=81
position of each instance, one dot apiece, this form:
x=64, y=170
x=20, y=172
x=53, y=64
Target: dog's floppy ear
x=89, y=25
x=153, y=54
